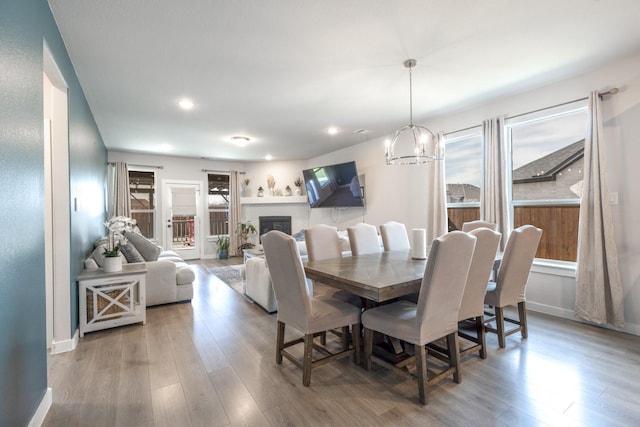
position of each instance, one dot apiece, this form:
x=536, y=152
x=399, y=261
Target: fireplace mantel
x=273, y=200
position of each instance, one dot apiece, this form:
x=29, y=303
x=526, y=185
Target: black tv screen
x=334, y=186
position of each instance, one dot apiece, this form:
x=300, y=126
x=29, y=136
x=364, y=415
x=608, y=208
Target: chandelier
x=412, y=144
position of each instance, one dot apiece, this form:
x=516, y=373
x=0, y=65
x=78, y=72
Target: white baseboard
x=65, y=345
x=629, y=328
x=43, y=409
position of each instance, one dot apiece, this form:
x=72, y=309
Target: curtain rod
x=139, y=166
x=461, y=130
x=214, y=170
x=611, y=91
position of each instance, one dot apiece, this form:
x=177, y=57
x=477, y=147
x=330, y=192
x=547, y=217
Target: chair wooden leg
x=454, y=356
x=482, y=336
x=323, y=338
x=279, y=342
x=500, y=326
x=522, y=313
x=355, y=338
x=368, y=348
x=421, y=372
x=344, y=338
x=307, y=361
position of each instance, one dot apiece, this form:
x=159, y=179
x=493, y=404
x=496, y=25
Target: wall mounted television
x=334, y=186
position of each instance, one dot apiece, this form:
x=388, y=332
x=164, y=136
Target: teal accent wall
x=24, y=26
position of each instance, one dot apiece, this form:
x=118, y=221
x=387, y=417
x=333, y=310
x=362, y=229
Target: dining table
x=377, y=277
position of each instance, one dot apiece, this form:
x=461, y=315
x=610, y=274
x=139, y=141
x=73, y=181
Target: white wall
x=398, y=192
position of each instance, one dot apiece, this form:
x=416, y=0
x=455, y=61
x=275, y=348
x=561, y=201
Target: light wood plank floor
x=211, y=362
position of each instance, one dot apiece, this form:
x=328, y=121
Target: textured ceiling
x=283, y=71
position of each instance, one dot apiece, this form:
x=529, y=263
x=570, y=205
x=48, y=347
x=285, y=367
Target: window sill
x=556, y=268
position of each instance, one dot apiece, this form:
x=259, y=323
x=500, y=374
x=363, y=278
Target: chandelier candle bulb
x=419, y=243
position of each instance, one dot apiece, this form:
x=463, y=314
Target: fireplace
x=280, y=223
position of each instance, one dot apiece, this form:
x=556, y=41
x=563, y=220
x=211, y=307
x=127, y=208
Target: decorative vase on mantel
x=112, y=264
x=298, y=184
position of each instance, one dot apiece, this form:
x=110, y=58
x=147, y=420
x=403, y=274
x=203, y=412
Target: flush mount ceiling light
x=240, y=141
x=185, y=104
x=412, y=144
x=332, y=130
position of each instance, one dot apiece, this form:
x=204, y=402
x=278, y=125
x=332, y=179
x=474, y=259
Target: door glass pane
x=183, y=207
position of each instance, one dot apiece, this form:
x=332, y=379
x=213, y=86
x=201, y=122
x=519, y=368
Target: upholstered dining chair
x=472, y=306
x=312, y=315
x=472, y=225
x=511, y=282
x=363, y=239
x=394, y=236
x=435, y=316
x=323, y=243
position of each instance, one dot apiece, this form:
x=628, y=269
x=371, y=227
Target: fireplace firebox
x=280, y=223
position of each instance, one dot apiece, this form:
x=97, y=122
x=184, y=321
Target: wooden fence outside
x=559, y=224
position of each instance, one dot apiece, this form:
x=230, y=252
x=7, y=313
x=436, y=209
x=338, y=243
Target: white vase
x=112, y=264
x=298, y=191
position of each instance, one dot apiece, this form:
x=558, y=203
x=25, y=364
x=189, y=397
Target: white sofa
x=258, y=282
x=169, y=279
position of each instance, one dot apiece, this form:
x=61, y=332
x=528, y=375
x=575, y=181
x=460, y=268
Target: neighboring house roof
x=545, y=168
x=457, y=193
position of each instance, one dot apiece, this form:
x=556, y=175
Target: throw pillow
x=98, y=255
x=299, y=236
x=131, y=253
x=149, y=250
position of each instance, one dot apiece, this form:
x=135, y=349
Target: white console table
x=113, y=299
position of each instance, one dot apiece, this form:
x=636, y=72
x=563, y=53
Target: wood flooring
x=211, y=362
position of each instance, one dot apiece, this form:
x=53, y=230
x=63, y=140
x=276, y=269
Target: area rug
x=232, y=275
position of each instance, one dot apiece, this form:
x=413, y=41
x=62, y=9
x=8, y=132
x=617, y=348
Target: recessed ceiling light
x=332, y=130
x=268, y=157
x=185, y=104
x=240, y=141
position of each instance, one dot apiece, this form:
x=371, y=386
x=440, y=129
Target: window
x=463, y=176
x=143, y=201
x=547, y=150
x=218, y=203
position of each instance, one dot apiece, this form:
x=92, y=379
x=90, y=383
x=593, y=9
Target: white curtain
x=235, y=212
x=119, y=203
x=599, y=292
x=436, y=197
x=493, y=193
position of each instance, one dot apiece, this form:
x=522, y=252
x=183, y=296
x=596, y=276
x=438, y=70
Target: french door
x=181, y=219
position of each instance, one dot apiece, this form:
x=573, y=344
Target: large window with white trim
x=547, y=150
x=218, y=196
x=463, y=175
x=143, y=201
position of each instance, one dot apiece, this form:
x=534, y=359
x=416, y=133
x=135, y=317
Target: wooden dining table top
x=377, y=277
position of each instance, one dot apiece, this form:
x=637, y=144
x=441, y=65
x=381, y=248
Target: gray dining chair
x=323, y=243
x=472, y=225
x=510, y=285
x=435, y=316
x=394, y=236
x=363, y=239
x=472, y=306
x=312, y=315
